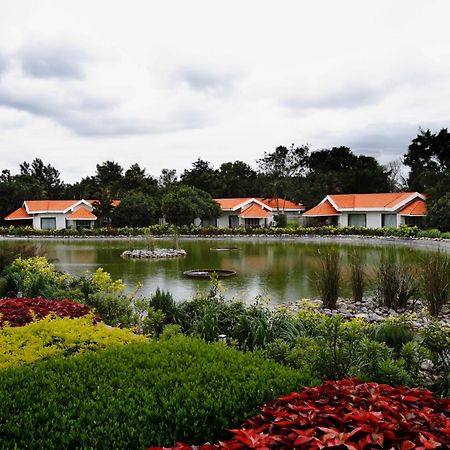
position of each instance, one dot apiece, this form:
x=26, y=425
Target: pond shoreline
x=423, y=243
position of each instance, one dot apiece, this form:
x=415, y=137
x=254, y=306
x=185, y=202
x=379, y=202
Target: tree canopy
x=183, y=204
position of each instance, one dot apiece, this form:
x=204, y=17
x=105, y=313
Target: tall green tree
x=47, y=176
x=135, y=179
x=183, y=204
x=285, y=162
x=136, y=209
x=14, y=189
x=280, y=170
x=109, y=177
x=439, y=213
x=202, y=176
x=428, y=156
x=237, y=179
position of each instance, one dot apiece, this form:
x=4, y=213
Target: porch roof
x=322, y=210
x=254, y=211
x=82, y=214
x=18, y=214
x=415, y=208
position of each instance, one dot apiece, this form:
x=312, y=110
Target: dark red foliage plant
x=347, y=414
x=20, y=311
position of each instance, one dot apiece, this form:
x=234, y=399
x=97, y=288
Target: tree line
x=292, y=172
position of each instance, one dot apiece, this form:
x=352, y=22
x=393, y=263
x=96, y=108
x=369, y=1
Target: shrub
x=338, y=341
x=9, y=254
x=436, y=281
x=57, y=336
x=328, y=277
x=378, y=416
x=432, y=233
x=115, y=309
x=436, y=338
x=394, y=334
x=163, y=301
x=128, y=397
x=20, y=311
x=34, y=277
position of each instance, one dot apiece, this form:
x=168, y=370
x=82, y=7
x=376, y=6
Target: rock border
x=157, y=253
x=370, y=310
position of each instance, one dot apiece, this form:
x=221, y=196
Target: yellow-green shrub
x=58, y=336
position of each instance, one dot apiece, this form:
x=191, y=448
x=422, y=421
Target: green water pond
x=280, y=270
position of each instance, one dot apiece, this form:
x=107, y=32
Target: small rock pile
x=155, y=253
x=370, y=310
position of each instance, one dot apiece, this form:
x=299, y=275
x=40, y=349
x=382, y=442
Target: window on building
x=209, y=222
x=357, y=220
x=48, y=223
x=83, y=224
x=389, y=220
x=233, y=221
x=251, y=223
x=414, y=221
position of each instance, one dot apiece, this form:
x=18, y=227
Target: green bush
x=55, y=336
x=403, y=231
x=115, y=309
x=431, y=233
x=139, y=395
x=394, y=334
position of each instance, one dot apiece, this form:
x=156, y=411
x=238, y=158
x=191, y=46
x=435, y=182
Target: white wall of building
x=60, y=220
x=374, y=219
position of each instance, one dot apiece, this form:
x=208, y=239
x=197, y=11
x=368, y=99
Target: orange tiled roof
x=254, y=211
x=231, y=203
x=82, y=214
x=49, y=205
x=360, y=201
x=274, y=203
x=280, y=203
x=415, y=208
x=322, y=210
x=18, y=214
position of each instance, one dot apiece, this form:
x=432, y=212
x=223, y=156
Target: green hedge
x=138, y=395
x=192, y=230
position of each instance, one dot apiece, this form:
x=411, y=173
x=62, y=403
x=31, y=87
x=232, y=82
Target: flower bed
x=20, y=311
x=346, y=414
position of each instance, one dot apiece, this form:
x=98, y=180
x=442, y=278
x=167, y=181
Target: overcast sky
x=163, y=83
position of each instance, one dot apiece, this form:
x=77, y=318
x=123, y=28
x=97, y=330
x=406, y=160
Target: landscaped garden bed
x=403, y=231
x=344, y=414
x=20, y=311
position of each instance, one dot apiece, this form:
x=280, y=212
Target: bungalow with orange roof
x=370, y=210
x=54, y=214
x=254, y=212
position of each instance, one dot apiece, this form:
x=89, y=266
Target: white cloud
x=162, y=83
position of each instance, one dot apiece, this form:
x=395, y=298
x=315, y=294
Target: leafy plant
x=17, y=312
x=115, y=309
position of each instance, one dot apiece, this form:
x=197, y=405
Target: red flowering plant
x=20, y=311
x=347, y=414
